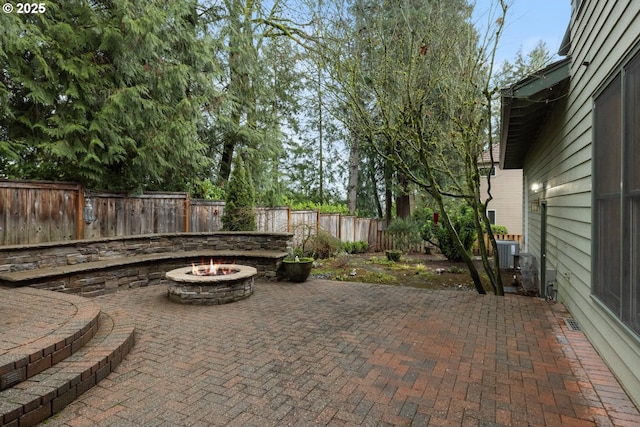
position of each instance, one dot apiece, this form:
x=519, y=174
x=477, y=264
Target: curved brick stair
x=54, y=347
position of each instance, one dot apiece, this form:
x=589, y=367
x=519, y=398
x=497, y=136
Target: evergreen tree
x=239, y=211
x=258, y=62
x=108, y=93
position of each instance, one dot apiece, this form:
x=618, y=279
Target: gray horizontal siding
x=604, y=35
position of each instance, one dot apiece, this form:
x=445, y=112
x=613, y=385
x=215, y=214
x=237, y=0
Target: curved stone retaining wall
x=96, y=266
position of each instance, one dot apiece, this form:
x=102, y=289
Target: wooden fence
x=37, y=212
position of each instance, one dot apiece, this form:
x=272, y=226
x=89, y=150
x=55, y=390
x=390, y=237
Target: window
x=486, y=171
x=491, y=214
x=616, y=195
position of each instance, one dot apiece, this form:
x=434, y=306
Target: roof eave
x=525, y=109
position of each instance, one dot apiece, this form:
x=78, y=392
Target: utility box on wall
x=529, y=271
x=508, y=252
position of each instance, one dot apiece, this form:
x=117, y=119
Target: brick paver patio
x=344, y=354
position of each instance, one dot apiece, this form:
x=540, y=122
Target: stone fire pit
x=211, y=288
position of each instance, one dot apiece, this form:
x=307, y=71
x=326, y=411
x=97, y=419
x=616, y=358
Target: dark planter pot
x=297, y=271
x=393, y=255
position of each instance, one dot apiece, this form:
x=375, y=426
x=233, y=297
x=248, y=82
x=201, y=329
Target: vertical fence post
x=187, y=213
x=79, y=212
x=355, y=228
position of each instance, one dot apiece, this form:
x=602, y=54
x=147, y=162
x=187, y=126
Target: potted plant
x=297, y=269
x=393, y=254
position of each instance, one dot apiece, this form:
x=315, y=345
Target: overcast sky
x=528, y=22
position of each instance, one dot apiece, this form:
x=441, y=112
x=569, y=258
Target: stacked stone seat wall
x=98, y=266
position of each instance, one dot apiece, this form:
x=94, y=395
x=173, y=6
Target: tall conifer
x=239, y=211
x=108, y=93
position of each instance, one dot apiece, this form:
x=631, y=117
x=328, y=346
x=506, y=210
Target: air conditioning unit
x=508, y=250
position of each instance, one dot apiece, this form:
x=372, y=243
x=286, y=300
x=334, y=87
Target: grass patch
x=372, y=277
x=378, y=260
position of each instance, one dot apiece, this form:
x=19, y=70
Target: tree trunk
x=403, y=202
x=240, y=53
x=388, y=192
x=225, y=161
x=352, y=187
x=374, y=187
x=468, y=260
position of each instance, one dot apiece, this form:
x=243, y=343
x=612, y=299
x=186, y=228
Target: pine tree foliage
x=239, y=212
x=107, y=93
x=256, y=113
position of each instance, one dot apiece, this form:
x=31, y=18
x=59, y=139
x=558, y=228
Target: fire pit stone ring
x=210, y=289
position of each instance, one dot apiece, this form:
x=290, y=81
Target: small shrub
x=358, y=247
x=361, y=246
x=342, y=260
x=404, y=233
x=462, y=220
x=499, y=229
x=323, y=245
x=348, y=247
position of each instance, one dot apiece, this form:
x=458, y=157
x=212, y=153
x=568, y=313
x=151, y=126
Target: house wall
x=506, y=190
x=603, y=34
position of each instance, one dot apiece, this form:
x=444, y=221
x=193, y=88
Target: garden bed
x=415, y=270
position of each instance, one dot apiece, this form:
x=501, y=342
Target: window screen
x=616, y=189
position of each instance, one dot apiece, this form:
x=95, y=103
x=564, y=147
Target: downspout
x=525, y=213
x=543, y=249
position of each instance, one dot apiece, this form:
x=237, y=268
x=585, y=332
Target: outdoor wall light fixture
x=536, y=186
x=535, y=205
x=88, y=215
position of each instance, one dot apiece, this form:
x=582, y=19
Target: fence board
x=37, y=211
x=374, y=243
x=362, y=226
x=330, y=223
x=272, y=220
x=303, y=224
x=205, y=215
x=119, y=215
x=347, y=228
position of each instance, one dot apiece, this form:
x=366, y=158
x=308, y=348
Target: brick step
x=38, y=335
x=37, y=398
